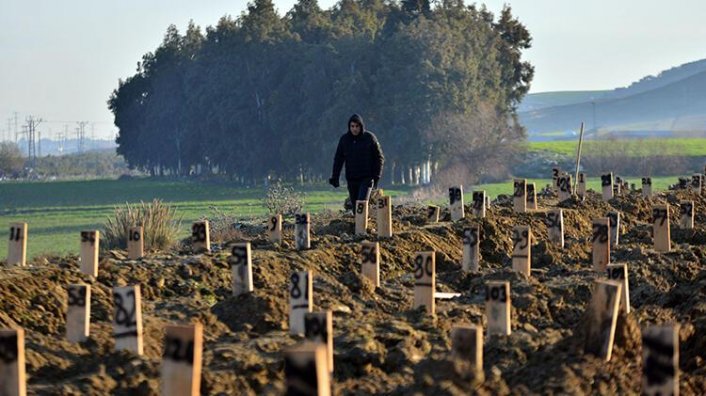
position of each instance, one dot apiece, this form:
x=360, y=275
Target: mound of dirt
x=381, y=344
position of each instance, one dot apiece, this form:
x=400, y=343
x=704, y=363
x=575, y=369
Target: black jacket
x=361, y=154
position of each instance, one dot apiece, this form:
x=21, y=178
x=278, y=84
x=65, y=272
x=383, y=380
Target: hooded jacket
x=361, y=154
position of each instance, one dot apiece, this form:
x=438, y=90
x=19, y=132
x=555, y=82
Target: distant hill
x=672, y=102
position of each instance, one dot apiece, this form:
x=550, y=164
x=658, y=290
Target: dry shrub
x=158, y=219
x=281, y=199
x=223, y=227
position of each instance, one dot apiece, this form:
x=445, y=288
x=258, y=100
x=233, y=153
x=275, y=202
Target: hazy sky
x=60, y=60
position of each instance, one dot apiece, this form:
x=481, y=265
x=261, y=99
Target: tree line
x=264, y=95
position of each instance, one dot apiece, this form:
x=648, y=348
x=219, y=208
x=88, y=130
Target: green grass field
x=56, y=212
x=690, y=147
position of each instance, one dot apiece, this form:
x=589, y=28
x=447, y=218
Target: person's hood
x=358, y=119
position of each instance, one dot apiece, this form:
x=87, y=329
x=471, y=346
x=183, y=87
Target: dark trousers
x=359, y=189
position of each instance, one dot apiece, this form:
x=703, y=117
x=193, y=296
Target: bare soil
x=382, y=346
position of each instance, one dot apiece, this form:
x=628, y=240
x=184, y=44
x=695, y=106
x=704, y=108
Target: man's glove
x=334, y=182
x=375, y=182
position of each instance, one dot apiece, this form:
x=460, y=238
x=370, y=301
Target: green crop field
x=690, y=147
x=56, y=212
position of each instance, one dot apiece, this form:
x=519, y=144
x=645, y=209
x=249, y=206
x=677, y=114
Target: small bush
x=158, y=219
x=281, y=199
x=223, y=226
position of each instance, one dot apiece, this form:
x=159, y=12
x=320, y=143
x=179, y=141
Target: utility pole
x=32, y=124
x=39, y=144
x=16, y=129
x=81, y=134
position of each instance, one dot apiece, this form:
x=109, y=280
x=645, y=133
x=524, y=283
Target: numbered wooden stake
x=479, y=204
x=531, y=197
x=555, y=226
x=581, y=188
x=603, y=315
x=241, y=268
x=384, y=217
x=646, y=187
x=301, y=300
x=17, y=249
x=361, y=217
x=467, y=345
x=614, y=218
x=425, y=281
x=522, y=249
x=370, y=261
x=306, y=370
x=607, y=186
x=686, y=214
x=90, y=244
x=660, y=228
x=565, y=187
x=519, y=195
x=456, y=203
x=696, y=182
x=617, y=186
x=127, y=318
x=555, y=179
x=201, y=236
x=13, y=380
x=301, y=231
x=181, y=361
x=375, y=195
x=660, y=360
x=78, y=313
x=274, y=229
x=601, y=244
x=619, y=273
x=433, y=214
x=135, y=243
x=497, y=307
x=318, y=328
x=471, y=249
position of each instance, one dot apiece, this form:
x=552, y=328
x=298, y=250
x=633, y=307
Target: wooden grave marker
x=361, y=217
x=497, y=307
x=556, y=172
x=565, y=187
x=17, y=249
x=555, y=226
x=479, y=204
x=370, y=261
x=660, y=228
x=433, y=214
x=302, y=228
x=301, y=300
x=686, y=214
x=602, y=318
x=384, y=217
x=522, y=249
x=581, y=188
x=181, y=360
x=531, y=196
x=274, y=229
x=78, y=313
x=241, y=268
x=617, y=186
x=471, y=249
x=306, y=370
x=646, y=187
x=13, y=378
x=619, y=272
x=90, y=245
x=201, y=236
x=375, y=195
x=614, y=217
x=607, y=186
x=467, y=345
x=696, y=183
x=318, y=328
x=600, y=239
x=425, y=281
x=660, y=360
x=135, y=242
x=127, y=319
x=519, y=195
x=456, y=203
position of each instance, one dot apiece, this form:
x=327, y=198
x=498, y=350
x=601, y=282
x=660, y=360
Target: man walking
x=360, y=151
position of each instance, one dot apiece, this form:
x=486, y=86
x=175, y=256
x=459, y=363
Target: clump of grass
x=282, y=199
x=159, y=221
